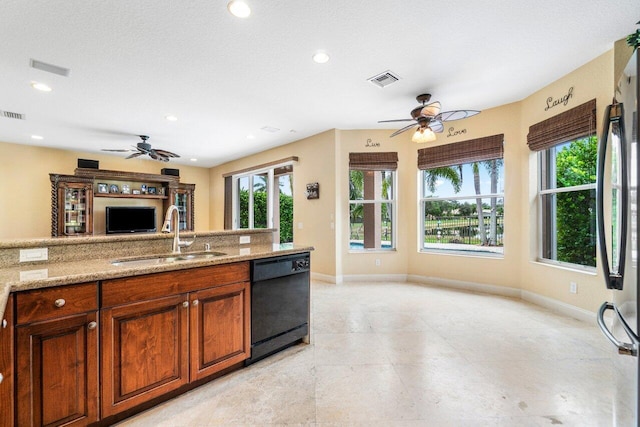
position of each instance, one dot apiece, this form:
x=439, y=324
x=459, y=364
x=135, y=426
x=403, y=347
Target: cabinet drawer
x=42, y=304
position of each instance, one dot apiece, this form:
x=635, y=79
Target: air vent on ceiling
x=384, y=79
x=10, y=115
x=49, y=68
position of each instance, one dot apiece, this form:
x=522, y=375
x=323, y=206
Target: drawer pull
x=185, y=304
x=92, y=325
x=195, y=302
x=60, y=302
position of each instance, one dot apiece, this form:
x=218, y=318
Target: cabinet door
x=144, y=351
x=75, y=205
x=6, y=366
x=57, y=372
x=220, y=328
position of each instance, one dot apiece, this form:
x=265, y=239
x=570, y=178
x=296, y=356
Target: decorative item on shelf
x=113, y=188
x=313, y=191
x=143, y=188
x=126, y=189
x=136, y=191
x=103, y=188
x=152, y=190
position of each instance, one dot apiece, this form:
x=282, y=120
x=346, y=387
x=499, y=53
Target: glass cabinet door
x=182, y=202
x=75, y=210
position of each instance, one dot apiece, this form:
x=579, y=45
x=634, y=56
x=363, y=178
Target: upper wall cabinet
x=72, y=197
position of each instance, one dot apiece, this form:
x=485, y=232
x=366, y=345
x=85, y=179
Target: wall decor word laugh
x=371, y=144
x=454, y=132
x=563, y=100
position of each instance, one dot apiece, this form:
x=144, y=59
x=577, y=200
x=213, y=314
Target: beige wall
x=324, y=223
x=312, y=218
x=24, y=178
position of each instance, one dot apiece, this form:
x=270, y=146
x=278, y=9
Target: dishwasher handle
x=629, y=349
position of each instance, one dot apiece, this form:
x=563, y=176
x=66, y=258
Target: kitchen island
x=132, y=331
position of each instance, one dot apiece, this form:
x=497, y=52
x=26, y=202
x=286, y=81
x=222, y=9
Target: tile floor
x=401, y=354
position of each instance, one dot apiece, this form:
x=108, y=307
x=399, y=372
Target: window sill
x=371, y=251
x=458, y=252
x=592, y=271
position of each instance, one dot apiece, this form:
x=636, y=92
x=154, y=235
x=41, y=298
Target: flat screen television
x=130, y=219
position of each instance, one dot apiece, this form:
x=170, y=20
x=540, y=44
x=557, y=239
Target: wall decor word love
x=454, y=132
x=371, y=144
x=564, y=100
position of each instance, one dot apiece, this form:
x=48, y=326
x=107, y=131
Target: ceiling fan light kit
x=427, y=119
x=239, y=9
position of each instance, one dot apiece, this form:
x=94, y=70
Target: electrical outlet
x=38, y=254
x=245, y=239
x=377, y=262
x=573, y=287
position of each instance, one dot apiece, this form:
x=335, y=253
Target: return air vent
x=10, y=115
x=384, y=79
x=49, y=68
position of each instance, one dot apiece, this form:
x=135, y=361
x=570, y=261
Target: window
x=261, y=198
x=372, y=200
x=462, y=203
x=567, y=156
x=567, y=200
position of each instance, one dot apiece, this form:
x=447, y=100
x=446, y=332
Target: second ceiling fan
x=427, y=119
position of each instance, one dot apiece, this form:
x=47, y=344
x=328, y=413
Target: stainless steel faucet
x=166, y=228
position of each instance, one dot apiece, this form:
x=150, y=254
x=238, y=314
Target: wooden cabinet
x=150, y=340
x=57, y=356
x=182, y=195
x=220, y=328
x=144, y=351
x=72, y=196
x=6, y=367
x=71, y=205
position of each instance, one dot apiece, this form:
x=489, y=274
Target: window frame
x=422, y=200
x=546, y=159
x=394, y=211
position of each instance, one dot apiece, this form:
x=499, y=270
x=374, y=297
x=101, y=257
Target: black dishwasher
x=279, y=303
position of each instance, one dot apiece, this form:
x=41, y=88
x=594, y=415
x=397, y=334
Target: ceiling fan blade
x=397, y=120
x=116, y=150
x=436, y=126
x=448, y=116
x=431, y=110
x=166, y=153
x=131, y=156
x=404, y=129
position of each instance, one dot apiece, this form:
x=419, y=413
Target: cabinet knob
x=1, y=378
x=195, y=302
x=185, y=304
x=60, y=302
x=92, y=325
x=4, y=323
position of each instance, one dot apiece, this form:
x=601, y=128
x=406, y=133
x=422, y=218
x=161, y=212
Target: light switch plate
x=37, y=254
x=245, y=239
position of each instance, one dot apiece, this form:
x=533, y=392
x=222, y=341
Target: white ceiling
x=134, y=62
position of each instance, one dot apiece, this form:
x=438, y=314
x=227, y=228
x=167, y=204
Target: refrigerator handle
x=612, y=115
x=629, y=349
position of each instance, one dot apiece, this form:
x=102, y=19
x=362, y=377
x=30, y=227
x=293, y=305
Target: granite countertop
x=45, y=275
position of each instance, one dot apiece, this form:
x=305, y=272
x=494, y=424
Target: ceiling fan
x=143, y=148
x=428, y=119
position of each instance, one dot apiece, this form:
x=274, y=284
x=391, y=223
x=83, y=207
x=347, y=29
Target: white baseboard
x=546, y=302
x=560, y=307
x=467, y=286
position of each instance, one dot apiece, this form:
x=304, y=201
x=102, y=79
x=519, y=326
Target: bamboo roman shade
x=472, y=150
x=373, y=161
x=579, y=122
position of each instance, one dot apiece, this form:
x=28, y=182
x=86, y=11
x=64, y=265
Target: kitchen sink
x=165, y=259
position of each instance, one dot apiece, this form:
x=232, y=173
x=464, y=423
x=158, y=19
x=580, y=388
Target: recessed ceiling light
x=250, y=137
x=38, y=137
x=239, y=9
x=321, y=57
x=194, y=160
x=41, y=86
x=171, y=118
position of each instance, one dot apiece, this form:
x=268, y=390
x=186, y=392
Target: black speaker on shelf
x=169, y=171
x=89, y=164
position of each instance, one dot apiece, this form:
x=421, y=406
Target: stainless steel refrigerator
x=617, y=213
